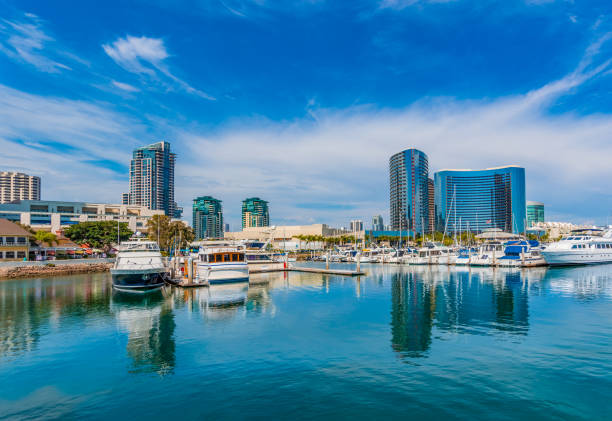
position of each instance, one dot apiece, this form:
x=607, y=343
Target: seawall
x=10, y=270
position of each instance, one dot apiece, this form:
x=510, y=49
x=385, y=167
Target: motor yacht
x=218, y=265
x=580, y=249
x=139, y=266
x=522, y=254
x=489, y=254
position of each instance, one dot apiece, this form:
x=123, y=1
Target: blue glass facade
x=409, y=191
x=207, y=218
x=480, y=199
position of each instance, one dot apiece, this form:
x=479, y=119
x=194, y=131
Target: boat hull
x=567, y=258
x=223, y=273
x=137, y=282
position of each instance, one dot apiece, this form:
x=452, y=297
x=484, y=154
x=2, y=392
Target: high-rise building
x=152, y=178
x=432, y=205
x=409, y=191
x=356, y=225
x=18, y=186
x=535, y=213
x=377, y=223
x=207, y=217
x=125, y=198
x=255, y=213
x=226, y=228
x=480, y=199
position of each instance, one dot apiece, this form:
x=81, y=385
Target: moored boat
x=218, y=265
x=580, y=249
x=139, y=267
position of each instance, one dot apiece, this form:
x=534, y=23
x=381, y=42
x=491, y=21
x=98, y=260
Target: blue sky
x=303, y=102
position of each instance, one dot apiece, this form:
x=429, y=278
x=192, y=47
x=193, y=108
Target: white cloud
x=125, y=86
x=146, y=56
x=26, y=41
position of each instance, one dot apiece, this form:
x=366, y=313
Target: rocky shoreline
x=52, y=270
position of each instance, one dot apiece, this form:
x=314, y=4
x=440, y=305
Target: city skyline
x=76, y=100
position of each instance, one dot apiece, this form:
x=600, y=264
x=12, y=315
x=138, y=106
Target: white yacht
x=488, y=254
x=139, y=266
x=522, y=254
x=218, y=265
x=580, y=249
x=434, y=254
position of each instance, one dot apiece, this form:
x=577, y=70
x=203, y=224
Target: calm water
x=418, y=343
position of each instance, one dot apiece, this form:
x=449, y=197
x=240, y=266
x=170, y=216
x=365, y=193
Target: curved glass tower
x=255, y=213
x=409, y=191
x=480, y=199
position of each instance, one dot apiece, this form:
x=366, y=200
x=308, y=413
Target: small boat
x=219, y=265
x=139, y=267
x=465, y=255
x=488, y=254
x=590, y=247
x=522, y=254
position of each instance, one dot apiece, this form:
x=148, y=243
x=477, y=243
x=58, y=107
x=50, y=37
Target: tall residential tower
x=255, y=213
x=207, y=217
x=18, y=186
x=409, y=191
x=152, y=178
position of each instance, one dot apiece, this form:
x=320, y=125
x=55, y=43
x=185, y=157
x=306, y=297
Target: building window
x=39, y=208
x=9, y=240
x=9, y=254
x=1, y=255
x=21, y=240
x=21, y=255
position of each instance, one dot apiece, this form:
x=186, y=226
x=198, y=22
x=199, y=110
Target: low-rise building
x=52, y=216
x=14, y=241
x=282, y=233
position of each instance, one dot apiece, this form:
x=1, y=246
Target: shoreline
x=35, y=269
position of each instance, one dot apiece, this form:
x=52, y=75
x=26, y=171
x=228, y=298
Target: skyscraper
x=432, y=205
x=409, y=191
x=377, y=223
x=18, y=186
x=480, y=199
x=152, y=178
x=535, y=213
x=207, y=217
x=356, y=225
x=255, y=213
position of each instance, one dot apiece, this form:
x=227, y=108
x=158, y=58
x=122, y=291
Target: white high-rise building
x=356, y=225
x=18, y=186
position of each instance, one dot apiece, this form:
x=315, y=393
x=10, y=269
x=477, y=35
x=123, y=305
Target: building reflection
x=149, y=323
x=474, y=301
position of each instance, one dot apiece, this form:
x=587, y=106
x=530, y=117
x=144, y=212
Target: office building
x=255, y=213
x=356, y=225
x=432, y=213
x=409, y=191
x=535, y=213
x=52, y=216
x=377, y=223
x=152, y=178
x=476, y=200
x=207, y=218
x=226, y=227
x=18, y=186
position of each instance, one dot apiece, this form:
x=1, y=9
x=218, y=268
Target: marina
x=430, y=341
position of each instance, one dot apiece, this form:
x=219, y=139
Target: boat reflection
x=215, y=301
x=478, y=301
x=149, y=323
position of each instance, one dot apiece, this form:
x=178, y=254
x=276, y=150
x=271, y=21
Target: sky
x=303, y=102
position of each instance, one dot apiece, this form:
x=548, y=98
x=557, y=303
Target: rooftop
x=484, y=169
x=10, y=228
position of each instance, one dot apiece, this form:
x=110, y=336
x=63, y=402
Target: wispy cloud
x=146, y=56
x=125, y=86
x=26, y=41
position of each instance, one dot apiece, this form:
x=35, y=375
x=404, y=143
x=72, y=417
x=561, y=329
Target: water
x=402, y=342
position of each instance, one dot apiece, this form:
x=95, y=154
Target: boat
x=522, y=254
x=488, y=254
x=465, y=255
x=220, y=265
x=433, y=254
x=139, y=266
x=591, y=247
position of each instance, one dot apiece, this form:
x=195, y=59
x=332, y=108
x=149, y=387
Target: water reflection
x=476, y=301
x=149, y=322
x=222, y=301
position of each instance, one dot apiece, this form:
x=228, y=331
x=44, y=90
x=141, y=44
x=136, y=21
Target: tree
x=98, y=234
x=45, y=237
x=166, y=233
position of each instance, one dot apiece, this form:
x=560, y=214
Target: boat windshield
x=139, y=246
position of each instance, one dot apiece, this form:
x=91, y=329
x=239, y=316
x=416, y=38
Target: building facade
x=477, y=200
x=409, y=191
x=152, y=178
x=356, y=225
x=18, y=186
x=535, y=213
x=255, y=213
x=432, y=205
x=54, y=215
x=377, y=223
x=207, y=218
x=14, y=241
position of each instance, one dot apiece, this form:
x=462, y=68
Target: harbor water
x=400, y=342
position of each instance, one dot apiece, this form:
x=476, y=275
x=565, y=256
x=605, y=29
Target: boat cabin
x=222, y=257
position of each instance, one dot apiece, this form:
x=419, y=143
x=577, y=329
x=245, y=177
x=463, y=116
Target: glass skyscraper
x=207, y=218
x=255, y=213
x=152, y=178
x=377, y=223
x=409, y=191
x=480, y=199
x=535, y=213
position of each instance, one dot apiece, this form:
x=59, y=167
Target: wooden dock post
x=327, y=261
x=190, y=270
x=358, y=262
